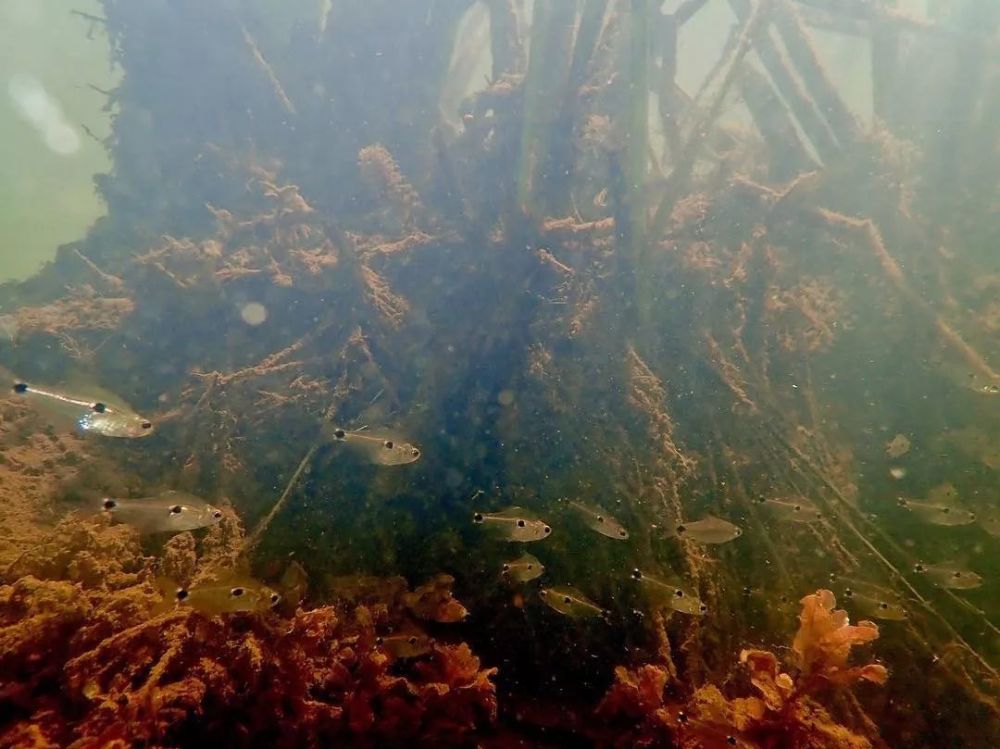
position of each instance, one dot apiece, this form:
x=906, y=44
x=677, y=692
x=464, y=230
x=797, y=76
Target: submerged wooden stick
x=251, y=541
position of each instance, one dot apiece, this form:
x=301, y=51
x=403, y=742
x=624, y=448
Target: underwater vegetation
x=542, y=399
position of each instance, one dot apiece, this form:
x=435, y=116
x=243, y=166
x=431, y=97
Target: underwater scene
x=498, y=373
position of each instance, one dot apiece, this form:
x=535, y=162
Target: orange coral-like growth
x=786, y=713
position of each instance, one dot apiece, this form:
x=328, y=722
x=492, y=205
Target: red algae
x=786, y=712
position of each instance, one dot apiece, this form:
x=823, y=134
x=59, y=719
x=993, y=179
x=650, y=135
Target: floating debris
x=936, y=513
x=677, y=596
x=95, y=413
x=795, y=509
x=897, y=472
x=949, y=575
x=167, y=512
x=708, y=530
x=526, y=567
x=571, y=602
x=377, y=446
x=600, y=521
x=514, y=524
x=898, y=446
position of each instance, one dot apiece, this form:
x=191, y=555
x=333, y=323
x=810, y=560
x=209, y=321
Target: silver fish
x=226, y=597
x=600, y=521
x=708, y=530
x=795, y=509
x=571, y=602
x=675, y=595
x=91, y=414
x=521, y=570
x=949, y=576
x=938, y=514
x=871, y=601
x=404, y=645
x=167, y=512
x=380, y=448
x=514, y=524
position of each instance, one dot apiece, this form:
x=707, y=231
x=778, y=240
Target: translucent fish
x=795, y=509
x=990, y=524
x=600, y=521
x=514, y=524
x=708, y=530
x=949, y=575
x=938, y=514
x=433, y=601
x=571, y=602
x=521, y=570
x=405, y=644
x=93, y=413
x=378, y=447
x=871, y=601
x=229, y=597
x=167, y=512
x=898, y=446
x=677, y=596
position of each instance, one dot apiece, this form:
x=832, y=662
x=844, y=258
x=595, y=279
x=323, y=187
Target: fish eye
x=217, y=514
x=956, y=574
x=636, y=574
x=237, y=592
x=731, y=740
x=543, y=593
x=21, y=387
x=520, y=523
x=181, y=594
x=339, y=434
x=176, y=510
x=622, y=533
x=848, y=592
x=945, y=510
x=477, y=518
x=883, y=605
x=682, y=718
x=388, y=444
x=414, y=452
x=703, y=608
x=681, y=529
x=567, y=599
x=275, y=598
x=600, y=518
x=110, y=504
x=739, y=531
x=531, y=566
x=146, y=425
x=505, y=567
x=797, y=508
x=380, y=641
x=546, y=530
x=98, y=407
x=919, y=568
x=679, y=593
x=412, y=640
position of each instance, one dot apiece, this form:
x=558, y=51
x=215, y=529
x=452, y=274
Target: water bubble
x=253, y=313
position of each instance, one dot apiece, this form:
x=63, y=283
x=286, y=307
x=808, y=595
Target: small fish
x=676, y=596
x=433, y=601
x=990, y=524
x=708, y=530
x=600, y=521
x=405, y=644
x=106, y=416
x=872, y=601
x=521, y=570
x=167, y=512
x=514, y=524
x=898, y=446
x=571, y=602
x=949, y=576
x=795, y=509
x=229, y=597
x=938, y=514
x=377, y=447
